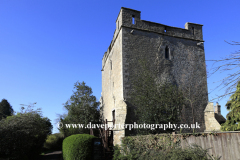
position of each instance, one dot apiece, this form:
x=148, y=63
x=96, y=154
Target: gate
x=106, y=135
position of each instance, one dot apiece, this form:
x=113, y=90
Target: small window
x=113, y=116
x=133, y=19
x=167, y=52
x=165, y=29
x=193, y=30
x=118, y=24
x=111, y=65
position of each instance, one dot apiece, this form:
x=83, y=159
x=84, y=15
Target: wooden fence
x=224, y=144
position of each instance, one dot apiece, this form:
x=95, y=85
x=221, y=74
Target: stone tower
x=178, y=54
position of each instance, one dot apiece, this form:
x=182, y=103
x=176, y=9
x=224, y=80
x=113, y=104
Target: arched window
x=167, y=52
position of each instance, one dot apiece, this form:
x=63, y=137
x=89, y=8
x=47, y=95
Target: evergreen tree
x=233, y=117
x=82, y=109
x=5, y=109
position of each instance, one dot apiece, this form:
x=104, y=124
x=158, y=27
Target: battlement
x=130, y=18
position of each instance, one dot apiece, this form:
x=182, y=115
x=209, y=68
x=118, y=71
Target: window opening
x=111, y=65
x=118, y=24
x=193, y=30
x=133, y=19
x=113, y=116
x=165, y=29
x=167, y=52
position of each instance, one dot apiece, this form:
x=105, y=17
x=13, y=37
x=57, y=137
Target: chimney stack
x=218, y=109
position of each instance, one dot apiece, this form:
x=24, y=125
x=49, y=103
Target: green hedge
x=54, y=142
x=78, y=147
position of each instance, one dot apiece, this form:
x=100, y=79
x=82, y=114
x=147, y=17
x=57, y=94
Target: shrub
x=54, y=142
x=193, y=152
x=78, y=147
x=23, y=135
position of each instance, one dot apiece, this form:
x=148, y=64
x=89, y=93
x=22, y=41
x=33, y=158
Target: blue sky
x=47, y=46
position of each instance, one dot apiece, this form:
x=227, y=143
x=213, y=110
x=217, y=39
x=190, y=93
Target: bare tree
x=193, y=84
x=193, y=93
x=229, y=63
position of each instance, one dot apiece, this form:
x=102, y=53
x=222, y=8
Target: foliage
x=23, y=134
x=191, y=153
x=233, y=117
x=78, y=146
x=5, y=109
x=54, y=142
x=131, y=151
x=156, y=102
x=137, y=146
x=82, y=109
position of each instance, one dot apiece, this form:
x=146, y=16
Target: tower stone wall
x=136, y=39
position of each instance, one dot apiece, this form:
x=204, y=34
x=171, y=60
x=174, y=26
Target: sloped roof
x=219, y=118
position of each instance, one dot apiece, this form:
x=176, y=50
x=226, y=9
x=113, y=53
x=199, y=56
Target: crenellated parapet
x=130, y=18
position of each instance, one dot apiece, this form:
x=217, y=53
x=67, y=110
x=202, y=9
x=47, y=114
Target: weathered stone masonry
x=177, y=53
